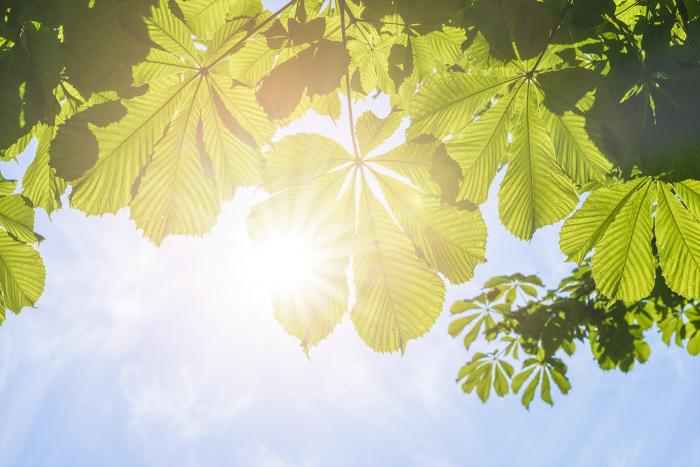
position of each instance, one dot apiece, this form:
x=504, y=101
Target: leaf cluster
x=526, y=331
x=166, y=107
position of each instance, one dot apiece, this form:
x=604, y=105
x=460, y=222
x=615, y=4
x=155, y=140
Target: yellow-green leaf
x=22, y=273
x=623, y=264
x=535, y=191
x=398, y=296
x=678, y=241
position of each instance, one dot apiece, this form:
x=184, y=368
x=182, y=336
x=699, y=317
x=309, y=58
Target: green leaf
x=233, y=162
x=171, y=34
x=457, y=326
x=461, y=306
x=529, y=392
x=500, y=383
x=451, y=240
x=175, y=196
x=372, y=130
x=678, y=242
x=447, y=102
x=398, y=296
x=623, y=264
x=466, y=370
x=437, y=49
x=689, y=191
x=473, y=333
x=576, y=153
x=520, y=378
x=22, y=273
x=124, y=148
x=7, y=187
x=17, y=217
x=302, y=158
x=545, y=390
x=694, y=344
x=204, y=17
x=369, y=53
x=535, y=192
x=40, y=184
x=560, y=380
x=252, y=62
x=413, y=161
x=583, y=230
x=311, y=317
x=480, y=149
x=483, y=388
x=242, y=105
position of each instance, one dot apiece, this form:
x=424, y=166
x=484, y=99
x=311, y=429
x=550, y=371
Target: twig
x=351, y=119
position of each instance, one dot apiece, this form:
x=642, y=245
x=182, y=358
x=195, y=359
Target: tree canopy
x=590, y=108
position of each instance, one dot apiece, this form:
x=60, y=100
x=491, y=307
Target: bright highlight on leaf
x=382, y=213
x=166, y=107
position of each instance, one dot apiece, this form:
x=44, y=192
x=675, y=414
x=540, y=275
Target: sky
x=139, y=355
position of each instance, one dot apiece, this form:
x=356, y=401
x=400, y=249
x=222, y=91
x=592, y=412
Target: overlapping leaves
x=164, y=107
x=22, y=272
x=622, y=224
x=502, y=115
x=189, y=141
x=522, y=349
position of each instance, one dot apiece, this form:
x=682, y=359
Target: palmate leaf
x=401, y=236
x=540, y=372
x=483, y=371
x=479, y=315
x=568, y=93
x=549, y=149
x=174, y=195
x=190, y=140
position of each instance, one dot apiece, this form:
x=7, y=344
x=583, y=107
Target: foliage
x=530, y=330
x=166, y=107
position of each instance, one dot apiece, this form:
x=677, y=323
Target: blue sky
x=138, y=355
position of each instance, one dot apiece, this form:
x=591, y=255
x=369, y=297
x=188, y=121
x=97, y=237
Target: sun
x=285, y=263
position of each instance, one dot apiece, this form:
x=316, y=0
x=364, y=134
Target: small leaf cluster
x=525, y=332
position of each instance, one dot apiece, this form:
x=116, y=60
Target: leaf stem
x=351, y=119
